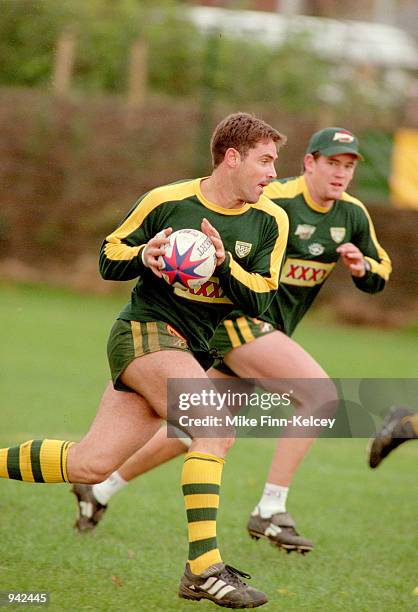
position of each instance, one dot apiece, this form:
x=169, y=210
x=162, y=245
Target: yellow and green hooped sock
x=36, y=461
x=201, y=479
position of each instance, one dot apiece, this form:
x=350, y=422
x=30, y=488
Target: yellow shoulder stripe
x=256, y=282
x=384, y=267
x=290, y=189
x=115, y=249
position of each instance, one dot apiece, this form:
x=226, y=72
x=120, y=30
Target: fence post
x=137, y=77
x=64, y=63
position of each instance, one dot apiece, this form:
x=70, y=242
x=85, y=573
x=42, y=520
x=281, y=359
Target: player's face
x=329, y=177
x=255, y=171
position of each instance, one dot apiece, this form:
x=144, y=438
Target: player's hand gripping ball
x=189, y=259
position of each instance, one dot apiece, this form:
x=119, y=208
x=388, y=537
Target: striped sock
x=36, y=461
x=200, y=481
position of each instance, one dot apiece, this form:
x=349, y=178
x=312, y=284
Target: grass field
x=52, y=371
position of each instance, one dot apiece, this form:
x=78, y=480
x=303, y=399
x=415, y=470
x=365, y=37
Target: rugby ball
x=189, y=259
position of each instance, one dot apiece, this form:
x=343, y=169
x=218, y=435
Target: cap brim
x=340, y=150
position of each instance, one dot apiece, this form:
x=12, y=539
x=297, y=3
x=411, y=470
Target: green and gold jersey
x=314, y=235
x=254, y=237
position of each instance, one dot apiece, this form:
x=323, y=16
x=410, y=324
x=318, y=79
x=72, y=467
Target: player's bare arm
x=353, y=259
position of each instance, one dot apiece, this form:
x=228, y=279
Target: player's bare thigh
x=273, y=355
x=149, y=374
x=277, y=358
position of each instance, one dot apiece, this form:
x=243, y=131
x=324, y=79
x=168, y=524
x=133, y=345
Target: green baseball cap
x=334, y=141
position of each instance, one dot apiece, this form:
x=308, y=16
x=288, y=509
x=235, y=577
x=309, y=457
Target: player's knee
x=318, y=396
x=327, y=403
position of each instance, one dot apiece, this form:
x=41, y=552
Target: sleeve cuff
x=224, y=267
x=140, y=258
x=141, y=253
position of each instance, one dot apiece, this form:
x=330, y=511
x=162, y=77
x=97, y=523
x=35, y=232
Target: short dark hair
x=241, y=131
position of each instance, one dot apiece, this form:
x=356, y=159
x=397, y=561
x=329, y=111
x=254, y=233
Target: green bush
x=182, y=61
x=179, y=55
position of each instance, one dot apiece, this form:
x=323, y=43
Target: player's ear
x=308, y=162
x=232, y=157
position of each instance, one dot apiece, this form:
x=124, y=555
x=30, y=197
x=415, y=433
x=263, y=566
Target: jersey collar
x=215, y=207
x=310, y=202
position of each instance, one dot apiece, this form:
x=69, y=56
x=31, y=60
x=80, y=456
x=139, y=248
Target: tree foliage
x=182, y=61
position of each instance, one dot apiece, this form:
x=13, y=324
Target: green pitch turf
x=52, y=371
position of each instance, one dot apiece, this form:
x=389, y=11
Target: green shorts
x=131, y=339
x=232, y=333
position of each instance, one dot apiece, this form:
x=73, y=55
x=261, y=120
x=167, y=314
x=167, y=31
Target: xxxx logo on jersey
x=304, y=272
x=211, y=291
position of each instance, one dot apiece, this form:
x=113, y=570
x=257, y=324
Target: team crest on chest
x=337, y=233
x=316, y=249
x=304, y=231
x=242, y=249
